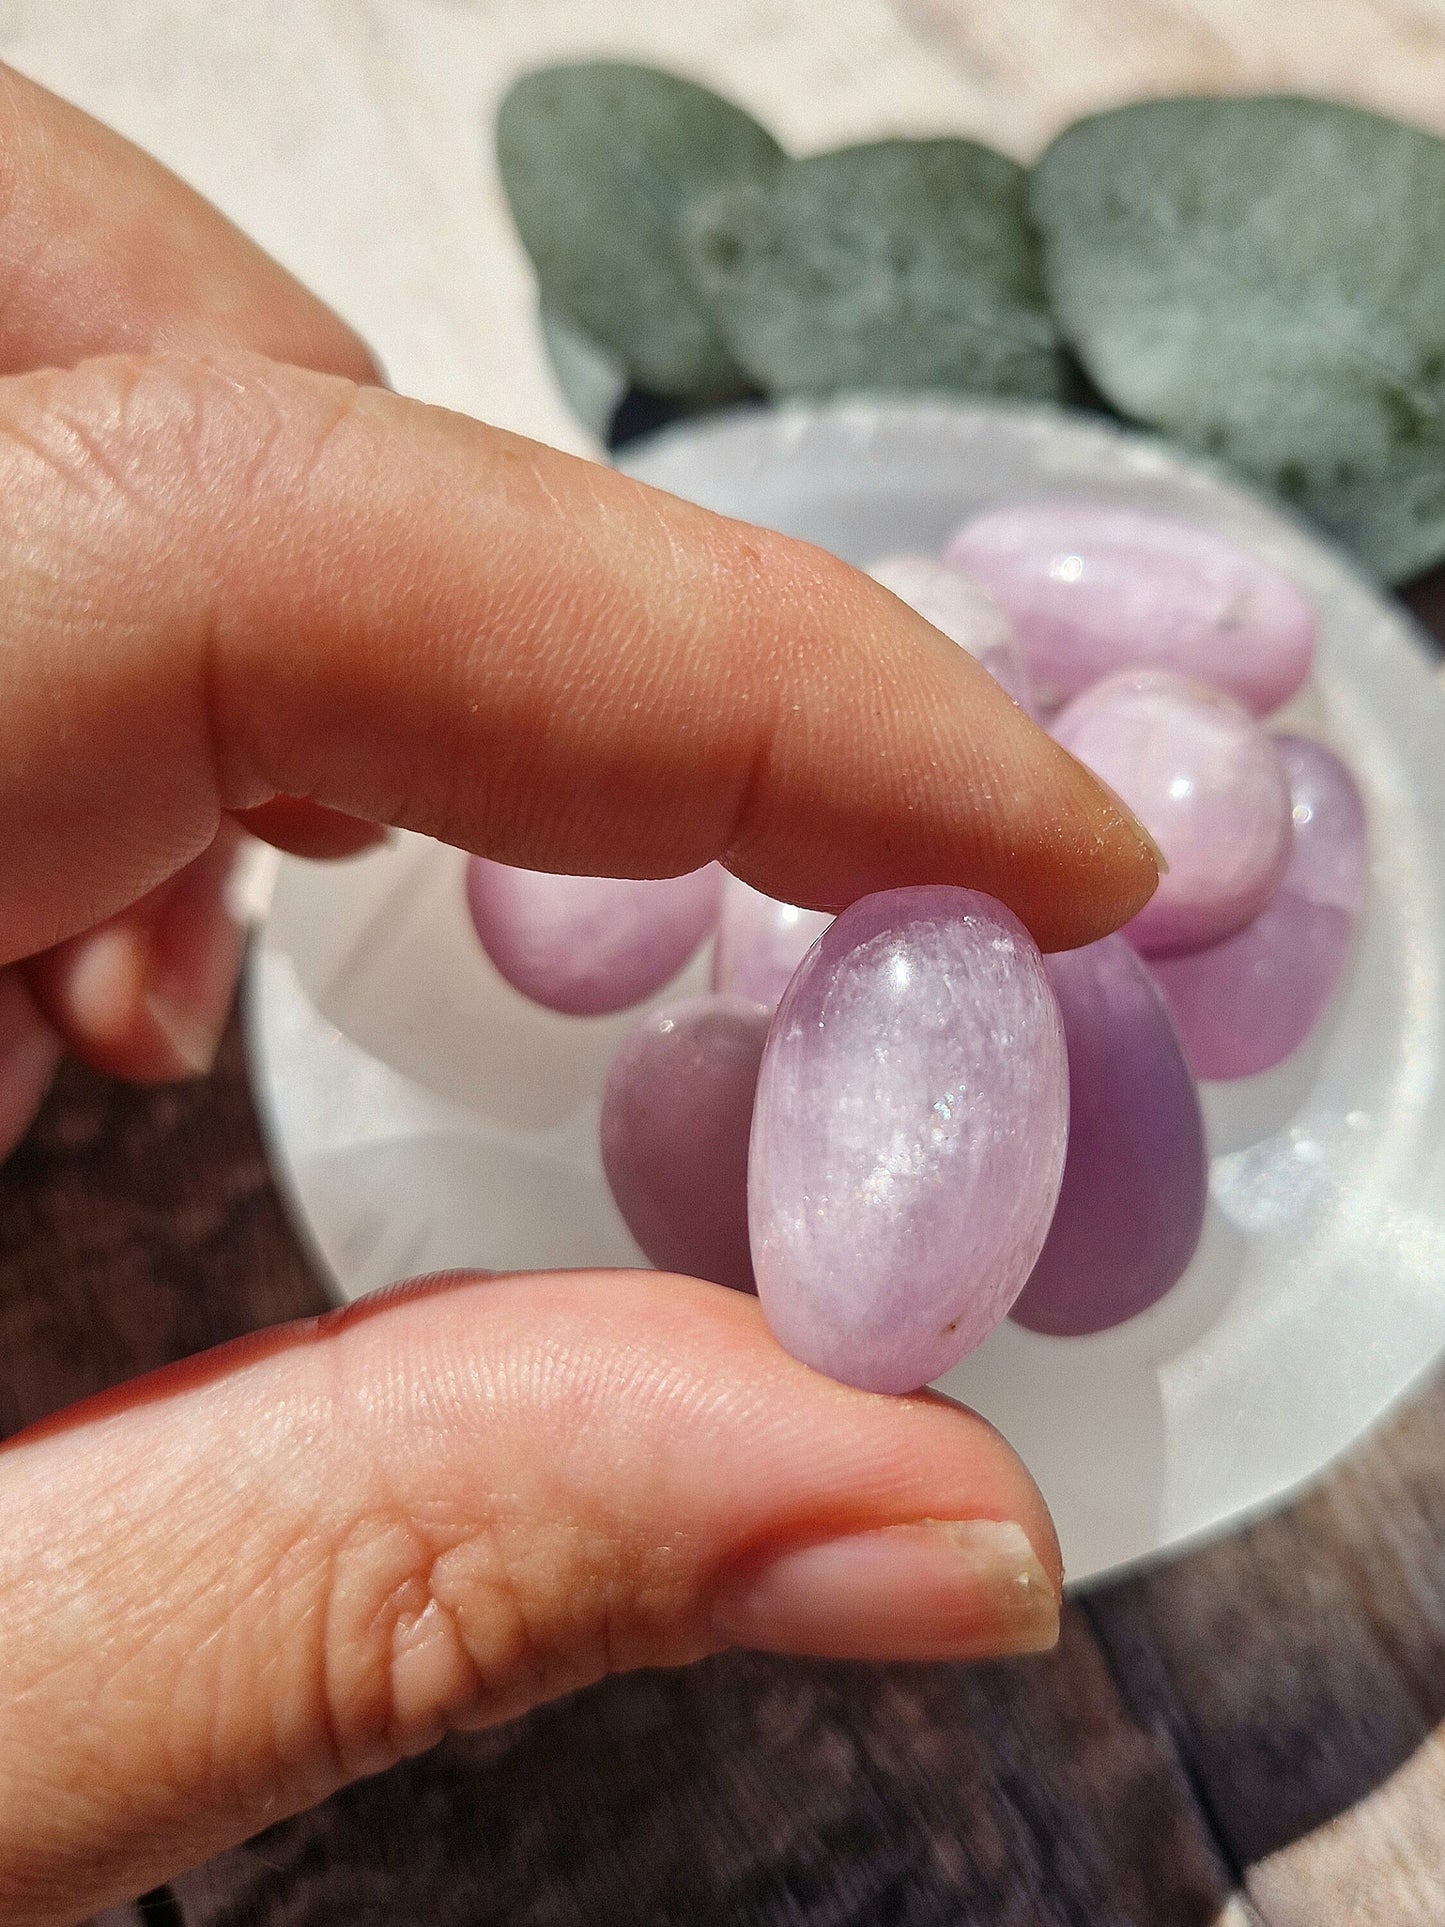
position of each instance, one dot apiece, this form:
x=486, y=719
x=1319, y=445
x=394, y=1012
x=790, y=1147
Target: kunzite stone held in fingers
x=964, y=612
x=1096, y=587
x=589, y=945
x=1209, y=786
x=676, y=1113
x=1246, y=1004
x=761, y=942
x=908, y=1136
x=1136, y=1177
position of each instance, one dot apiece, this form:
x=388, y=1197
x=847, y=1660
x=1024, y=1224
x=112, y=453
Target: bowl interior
x=423, y=1116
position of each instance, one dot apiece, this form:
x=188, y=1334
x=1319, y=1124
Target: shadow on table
x=1297, y=1665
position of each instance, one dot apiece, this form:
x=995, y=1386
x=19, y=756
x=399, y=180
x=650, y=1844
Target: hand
x=236, y=571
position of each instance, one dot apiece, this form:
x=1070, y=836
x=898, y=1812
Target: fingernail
x=196, y=947
x=105, y=975
x=194, y=1039
x=938, y=1589
x=188, y=999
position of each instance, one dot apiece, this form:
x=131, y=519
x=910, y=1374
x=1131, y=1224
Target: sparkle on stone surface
x=908, y=1137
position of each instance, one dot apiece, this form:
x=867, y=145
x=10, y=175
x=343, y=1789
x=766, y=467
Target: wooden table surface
x=1250, y=1734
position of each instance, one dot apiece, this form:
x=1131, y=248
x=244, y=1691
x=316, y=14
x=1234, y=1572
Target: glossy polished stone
x=965, y=612
x=1136, y=1179
x=1208, y=785
x=761, y=942
x=1246, y=1004
x=1094, y=587
x=908, y=1137
x=676, y=1114
x=589, y=945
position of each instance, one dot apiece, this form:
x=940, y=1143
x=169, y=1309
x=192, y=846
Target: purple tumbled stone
x=588, y=945
x=1136, y=1179
x=908, y=1137
x=1095, y=587
x=676, y=1113
x=761, y=942
x=1244, y=1005
x=965, y=612
x=1209, y=786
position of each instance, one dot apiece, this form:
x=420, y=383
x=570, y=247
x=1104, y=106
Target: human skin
x=247, y=588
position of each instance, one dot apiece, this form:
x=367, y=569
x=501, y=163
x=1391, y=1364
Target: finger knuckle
x=154, y=435
x=393, y=1664
x=421, y=1639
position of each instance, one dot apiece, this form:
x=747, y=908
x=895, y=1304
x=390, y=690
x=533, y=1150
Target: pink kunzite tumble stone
x=1245, y=1004
x=761, y=942
x=1096, y=587
x=1208, y=785
x=1136, y=1178
x=908, y=1136
x=964, y=612
x=676, y=1113
x=589, y=945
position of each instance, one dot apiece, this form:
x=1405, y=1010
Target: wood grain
x=1033, y=68
x=1257, y=1720
x=1298, y=1669
x=753, y=1790
x=136, y=1228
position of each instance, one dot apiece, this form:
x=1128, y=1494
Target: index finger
x=228, y=581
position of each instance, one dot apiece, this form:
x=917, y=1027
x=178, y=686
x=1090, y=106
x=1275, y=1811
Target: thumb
x=296, y=1560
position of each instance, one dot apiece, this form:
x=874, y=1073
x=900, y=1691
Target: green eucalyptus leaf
x=602, y=163
x=1266, y=279
x=1393, y=518
x=592, y=381
x=904, y=266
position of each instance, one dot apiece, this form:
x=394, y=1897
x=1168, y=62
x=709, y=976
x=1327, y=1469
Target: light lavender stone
x=761, y=942
x=1096, y=587
x=589, y=945
x=1136, y=1179
x=965, y=612
x=677, y=1110
x=1208, y=785
x=908, y=1136
x=1246, y=1004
